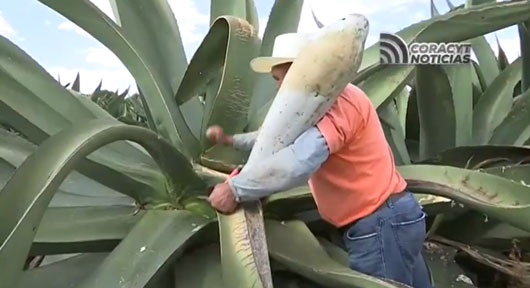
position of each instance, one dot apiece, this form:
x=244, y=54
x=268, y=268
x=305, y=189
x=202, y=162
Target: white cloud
x=112, y=78
x=5, y=28
x=70, y=26
x=193, y=25
x=102, y=56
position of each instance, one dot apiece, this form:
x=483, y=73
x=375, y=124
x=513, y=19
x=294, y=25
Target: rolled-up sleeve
x=286, y=169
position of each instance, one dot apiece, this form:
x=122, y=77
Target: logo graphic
x=394, y=50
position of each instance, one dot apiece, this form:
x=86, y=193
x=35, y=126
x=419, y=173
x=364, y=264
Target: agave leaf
x=450, y=4
x=244, y=257
x=514, y=268
x=477, y=2
x=455, y=26
x=492, y=195
x=395, y=135
x=489, y=67
x=237, y=8
x=221, y=66
x=293, y=245
x=98, y=88
x=154, y=20
x=200, y=268
x=315, y=18
x=402, y=101
x=434, y=10
x=476, y=79
x=136, y=49
x=518, y=173
x=515, y=129
x=524, y=38
x=474, y=157
x=284, y=18
x=445, y=112
x=383, y=84
x=50, y=165
x=495, y=103
x=335, y=252
x=63, y=274
x=252, y=14
x=76, y=86
x=83, y=229
x=146, y=249
x=442, y=265
x=476, y=228
x=502, y=59
x=76, y=190
x=288, y=203
x=28, y=88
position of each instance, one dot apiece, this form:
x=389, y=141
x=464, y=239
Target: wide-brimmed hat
x=286, y=47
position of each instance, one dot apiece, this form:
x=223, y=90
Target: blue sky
x=64, y=49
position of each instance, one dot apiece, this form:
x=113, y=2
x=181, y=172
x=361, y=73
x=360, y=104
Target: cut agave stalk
x=313, y=83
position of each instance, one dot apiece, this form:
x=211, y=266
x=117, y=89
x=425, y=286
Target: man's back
x=360, y=173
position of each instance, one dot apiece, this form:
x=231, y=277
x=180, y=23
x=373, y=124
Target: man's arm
x=244, y=141
x=286, y=169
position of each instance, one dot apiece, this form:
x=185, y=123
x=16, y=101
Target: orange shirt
x=359, y=174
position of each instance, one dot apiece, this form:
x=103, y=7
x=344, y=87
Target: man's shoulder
x=353, y=93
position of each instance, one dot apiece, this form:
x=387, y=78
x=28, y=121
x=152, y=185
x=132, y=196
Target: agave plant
x=126, y=205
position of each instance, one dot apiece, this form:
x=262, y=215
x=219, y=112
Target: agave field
x=106, y=191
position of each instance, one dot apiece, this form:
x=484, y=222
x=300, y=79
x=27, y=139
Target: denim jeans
x=388, y=243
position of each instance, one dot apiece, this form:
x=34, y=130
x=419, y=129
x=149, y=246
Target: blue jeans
x=388, y=243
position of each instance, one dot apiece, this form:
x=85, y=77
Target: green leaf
x=515, y=129
x=221, y=66
x=402, y=101
x=502, y=59
x=288, y=203
x=83, y=229
x=237, y=8
x=495, y=103
x=445, y=112
x=200, y=268
x=475, y=157
x=77, y=83
x=477, y=2
x=63, y=274
x=488, y=64
x=152, y=25
x=76, y=190
x=394, y=132
x=51, y=163
x=284, y=18
x=492, y=195
x=456, y=26
x=450, y=4
x=475, y=228
x=293, y=245
x=434, y=11
x=383, y=84
x=252, y=14
x=146, y=250
x=244, y=257
x=28, y=88
x=517, y=173
x=144, y=52
x=524, y=38
x=477, y=81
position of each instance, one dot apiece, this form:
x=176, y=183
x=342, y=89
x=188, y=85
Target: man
x=351, y=174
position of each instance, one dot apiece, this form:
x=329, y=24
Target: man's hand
x=222, y=199
x=217, y=136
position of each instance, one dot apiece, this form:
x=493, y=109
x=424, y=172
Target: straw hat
x=286, y=47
